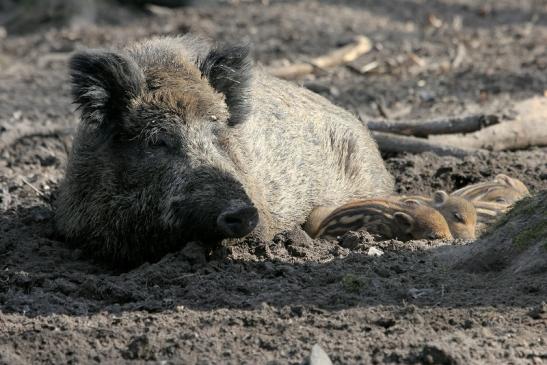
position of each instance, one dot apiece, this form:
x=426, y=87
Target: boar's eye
x=158, y=142
x=501, y=200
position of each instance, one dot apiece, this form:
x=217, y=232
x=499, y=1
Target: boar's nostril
x=237, y=222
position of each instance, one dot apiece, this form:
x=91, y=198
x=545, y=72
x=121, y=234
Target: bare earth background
x=269, y=302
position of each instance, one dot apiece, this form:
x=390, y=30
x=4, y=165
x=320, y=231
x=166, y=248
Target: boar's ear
x=103, y=84
x=229, y=71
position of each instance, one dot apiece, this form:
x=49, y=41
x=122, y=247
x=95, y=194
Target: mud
x=270, y=302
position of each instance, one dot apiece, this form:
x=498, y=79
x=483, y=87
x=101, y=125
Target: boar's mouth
x=238, y=220
x=235, y=220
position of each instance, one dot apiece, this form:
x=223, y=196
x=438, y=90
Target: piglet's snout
x=237, y=220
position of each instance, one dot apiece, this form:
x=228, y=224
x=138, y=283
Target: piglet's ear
x=405, y=221
x=412, y=202
x=440, y=198
x=103, y=83
x=229, y=71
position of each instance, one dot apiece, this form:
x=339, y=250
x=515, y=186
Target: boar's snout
x=237, y=220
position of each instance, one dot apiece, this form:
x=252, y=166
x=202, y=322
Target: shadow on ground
x=41, y=275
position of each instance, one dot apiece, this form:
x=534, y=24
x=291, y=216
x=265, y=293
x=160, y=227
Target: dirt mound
x=516, y=244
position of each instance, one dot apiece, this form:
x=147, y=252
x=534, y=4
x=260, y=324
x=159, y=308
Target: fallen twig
x=515, y=135
x=388, y=142
x=437, y=126
x=461, y=53
x=345, y=54
x=529, y=129
x=38, y=191
x=365, y=68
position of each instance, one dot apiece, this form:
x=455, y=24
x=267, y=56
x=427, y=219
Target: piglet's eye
x=459, y=217
x=501, y=200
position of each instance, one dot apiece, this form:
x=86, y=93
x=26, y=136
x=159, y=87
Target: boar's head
x=153, y=164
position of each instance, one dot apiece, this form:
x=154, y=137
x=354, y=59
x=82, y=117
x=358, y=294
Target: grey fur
x=177, y=160
x=103, y=84
x=229, y=72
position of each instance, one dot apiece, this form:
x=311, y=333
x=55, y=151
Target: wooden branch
x=529, y=129
x=292, y=71
x=388, y=142
x=436, y=126
x=345, y=54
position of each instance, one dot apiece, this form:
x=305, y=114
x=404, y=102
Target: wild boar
x=181, y=141
x=502, y=189
x=459, y=213
x=488, y=213
x=388, y=218
x=493, y=198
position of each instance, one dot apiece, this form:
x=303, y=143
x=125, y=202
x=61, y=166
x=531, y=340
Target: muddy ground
x=269, y=302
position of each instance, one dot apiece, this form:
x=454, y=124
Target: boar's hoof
x=237, y=222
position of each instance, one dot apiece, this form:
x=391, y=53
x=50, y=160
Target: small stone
x=373, y=251
x=426, y=96
x=297, y=237
x=539, y=311
x=17, y=115
x=350, y=240
x=319, y=356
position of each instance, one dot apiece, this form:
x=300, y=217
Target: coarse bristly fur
x=229, y=72
x=459, y=213
x=388, y=218
x=173, y=133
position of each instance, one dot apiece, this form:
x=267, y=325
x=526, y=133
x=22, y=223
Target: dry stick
x=388, y=142
x=345, y=54
x=529, y=129
x=505, y=136
x=437, y=126
x=38, y=191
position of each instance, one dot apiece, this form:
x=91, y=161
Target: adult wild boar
x=181, y=141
